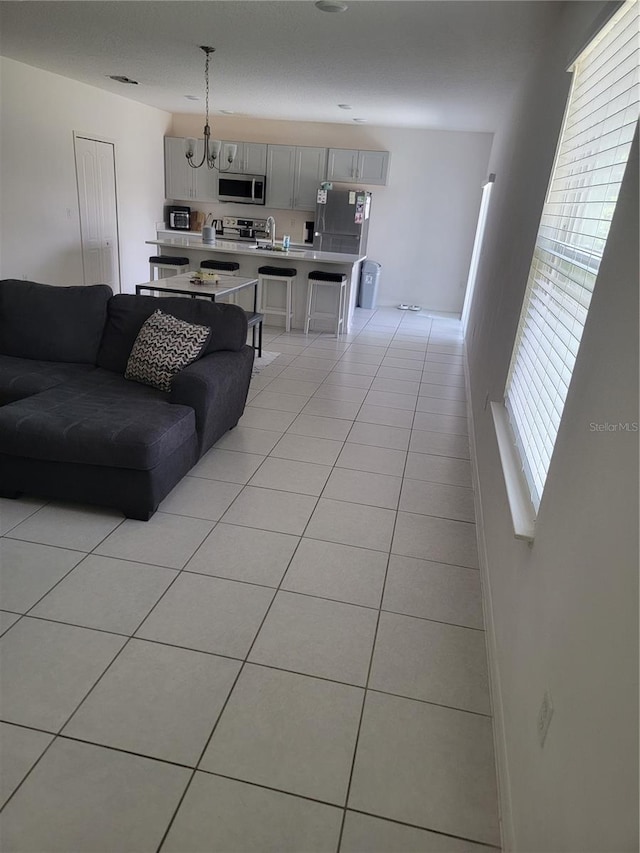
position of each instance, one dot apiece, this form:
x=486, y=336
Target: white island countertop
x=246, y=248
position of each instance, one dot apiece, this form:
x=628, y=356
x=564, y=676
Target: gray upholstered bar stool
x=267, y=278
x=322, y=279
x=173, y=263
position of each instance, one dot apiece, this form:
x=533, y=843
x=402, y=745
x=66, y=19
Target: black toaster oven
x=179, y=217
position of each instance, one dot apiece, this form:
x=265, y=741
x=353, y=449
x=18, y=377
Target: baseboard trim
x=505, y=813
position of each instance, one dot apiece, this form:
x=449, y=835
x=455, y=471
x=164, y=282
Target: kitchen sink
x=279, y=249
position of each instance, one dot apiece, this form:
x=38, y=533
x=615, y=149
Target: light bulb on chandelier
x=211, y=147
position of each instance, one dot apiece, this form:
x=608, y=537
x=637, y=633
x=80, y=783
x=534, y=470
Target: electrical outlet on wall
x=544, y=717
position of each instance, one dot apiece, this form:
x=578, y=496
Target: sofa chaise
x=72, y=427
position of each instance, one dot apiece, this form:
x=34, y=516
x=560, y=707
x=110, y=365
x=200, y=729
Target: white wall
x=39, y=220
x=562, y=614
x=422, y=223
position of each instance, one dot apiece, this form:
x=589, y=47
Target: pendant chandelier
x=211, y=147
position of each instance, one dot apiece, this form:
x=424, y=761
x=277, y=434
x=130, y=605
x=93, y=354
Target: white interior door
x=96, y=173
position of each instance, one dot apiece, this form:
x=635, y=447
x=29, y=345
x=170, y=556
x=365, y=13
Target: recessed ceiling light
x=345, y=106
x=192, y=97
x=120, y=78
x=331, y=6
x=361, y=120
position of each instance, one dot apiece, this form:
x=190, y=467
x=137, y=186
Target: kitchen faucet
x=271, y=229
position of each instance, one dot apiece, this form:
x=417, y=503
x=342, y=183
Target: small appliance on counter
x=210, y=228
x=179, y=217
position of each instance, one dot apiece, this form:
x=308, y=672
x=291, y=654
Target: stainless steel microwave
x=245, y=189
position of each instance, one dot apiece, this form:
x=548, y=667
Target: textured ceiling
x=442, y=65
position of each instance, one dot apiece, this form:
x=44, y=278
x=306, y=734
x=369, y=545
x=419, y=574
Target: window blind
x=591, y=157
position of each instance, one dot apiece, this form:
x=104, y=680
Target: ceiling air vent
x=120, y=78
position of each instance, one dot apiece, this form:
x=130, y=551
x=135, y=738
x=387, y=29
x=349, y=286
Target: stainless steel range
x=234, y=228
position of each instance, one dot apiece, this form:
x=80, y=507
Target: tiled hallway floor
x=290, y=655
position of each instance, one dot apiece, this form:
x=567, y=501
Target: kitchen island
x=250, y=256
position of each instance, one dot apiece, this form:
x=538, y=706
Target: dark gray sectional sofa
x=73, y=428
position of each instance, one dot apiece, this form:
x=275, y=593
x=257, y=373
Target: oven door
x=246, y=189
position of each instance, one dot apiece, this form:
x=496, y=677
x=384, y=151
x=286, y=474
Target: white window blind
x=592, y=154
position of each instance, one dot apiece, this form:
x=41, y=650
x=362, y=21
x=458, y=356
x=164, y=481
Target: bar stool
x=229, y=267
x=280, y=275
x=254, y=319
x=320, y=278
x=177, y=264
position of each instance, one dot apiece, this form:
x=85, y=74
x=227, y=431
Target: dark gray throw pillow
x=164, y=346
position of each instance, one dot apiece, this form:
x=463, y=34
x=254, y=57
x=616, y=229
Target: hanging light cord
x=208, y=155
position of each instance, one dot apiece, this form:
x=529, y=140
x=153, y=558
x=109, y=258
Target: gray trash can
x=369, y=278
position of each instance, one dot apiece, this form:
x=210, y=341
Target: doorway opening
x=98, y=205
x=477, y=249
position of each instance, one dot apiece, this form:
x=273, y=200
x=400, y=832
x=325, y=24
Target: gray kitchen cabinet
x=342, y=165
x=373, y=167
x=250, y=159
x=294, y=173
x=281, y=161
x=178, y=174
x=182, y=182
x=310, y=170
x=350, y=166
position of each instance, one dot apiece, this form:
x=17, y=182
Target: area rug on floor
x=265, y=359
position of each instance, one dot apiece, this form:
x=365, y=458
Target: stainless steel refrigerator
x=342, y=221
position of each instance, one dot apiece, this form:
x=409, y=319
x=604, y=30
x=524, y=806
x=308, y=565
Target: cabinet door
x=310, y=170
x=343, y=165
x=281, y=161
x=178, y=174
x=373, y=167
x=255, y=158
x=250, y=159
x=205, y=180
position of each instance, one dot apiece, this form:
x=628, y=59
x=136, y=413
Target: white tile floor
x=290, y=655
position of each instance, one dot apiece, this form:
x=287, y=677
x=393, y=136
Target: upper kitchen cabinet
x=181, y=181
x=294, y=173
x=281, y=161
x=358, y=167
x=310, y=170
x=178, y=174
x=250, y=159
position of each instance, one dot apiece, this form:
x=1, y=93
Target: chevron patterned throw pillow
x=163, y=347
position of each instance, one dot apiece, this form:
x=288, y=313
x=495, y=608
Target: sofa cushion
x=164, y=346
x=48, y=323
x=101, y=419
x=21, y=377
x=127, y=313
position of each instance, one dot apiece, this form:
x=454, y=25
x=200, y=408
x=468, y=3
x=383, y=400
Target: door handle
x=253, y=189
